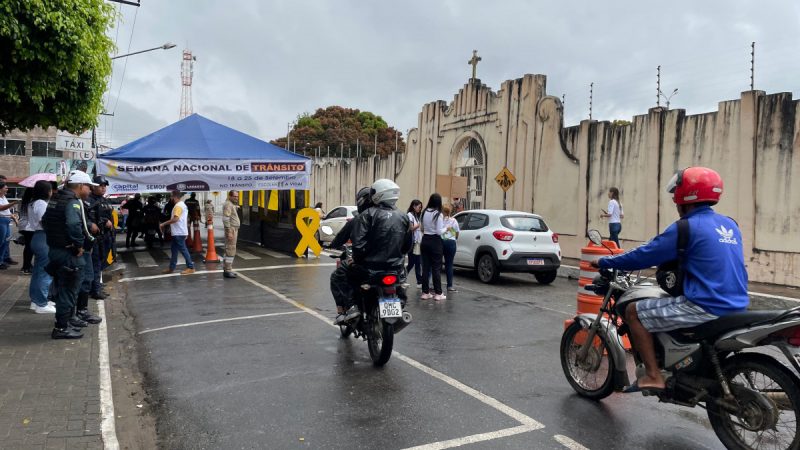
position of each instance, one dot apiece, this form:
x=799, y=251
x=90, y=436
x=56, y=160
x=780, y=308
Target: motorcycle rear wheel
x=583, y=376
x=779, y=386
x=380, y=339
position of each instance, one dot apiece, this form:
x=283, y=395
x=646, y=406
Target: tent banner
x=129, y=177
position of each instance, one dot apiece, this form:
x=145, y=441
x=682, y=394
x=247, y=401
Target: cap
x=100, y=180
x=80, y=177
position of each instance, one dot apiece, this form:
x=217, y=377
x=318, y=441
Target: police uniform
x=100, y=212
x=63, y=224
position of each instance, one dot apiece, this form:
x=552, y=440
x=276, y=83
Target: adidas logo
x=726, y=236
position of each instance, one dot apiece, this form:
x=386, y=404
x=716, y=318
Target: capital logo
x=726, y=236
x=125, y=187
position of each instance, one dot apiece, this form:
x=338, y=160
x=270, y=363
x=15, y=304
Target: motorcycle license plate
x=390, y=307
x=535, y=262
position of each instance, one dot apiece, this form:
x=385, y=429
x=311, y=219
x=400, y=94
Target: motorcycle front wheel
x=765, y=421
x=592, y=377
x=380, y=339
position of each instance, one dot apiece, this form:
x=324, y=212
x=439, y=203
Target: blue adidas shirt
x=716, y=278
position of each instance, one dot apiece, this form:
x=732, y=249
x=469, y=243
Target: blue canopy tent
x=198, y=154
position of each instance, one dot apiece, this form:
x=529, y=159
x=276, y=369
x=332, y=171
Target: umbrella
x=31, y=180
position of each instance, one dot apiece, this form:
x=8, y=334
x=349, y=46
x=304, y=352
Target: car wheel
x=546, y=277
x=487, y=269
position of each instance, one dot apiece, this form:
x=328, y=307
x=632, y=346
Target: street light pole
x=166, y=46
x=668, y=98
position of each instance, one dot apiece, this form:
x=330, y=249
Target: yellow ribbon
x=307, y=231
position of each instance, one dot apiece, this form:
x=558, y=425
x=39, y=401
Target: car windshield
x=523, y=223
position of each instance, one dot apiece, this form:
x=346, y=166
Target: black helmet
x=363, y=200
x=100, y=180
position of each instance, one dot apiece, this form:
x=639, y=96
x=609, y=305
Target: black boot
x=98, y=295
x=229, y=274
x=77, y=322
x=87, y=316
x=66, y=333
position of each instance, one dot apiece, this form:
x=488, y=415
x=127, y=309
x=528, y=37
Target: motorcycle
x=751, y=399
x=381, y=311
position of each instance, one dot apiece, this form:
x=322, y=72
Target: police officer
x=66, y=229
x=81, y=317
x=100, y=213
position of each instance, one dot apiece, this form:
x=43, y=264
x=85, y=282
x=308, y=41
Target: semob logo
x=125, y=187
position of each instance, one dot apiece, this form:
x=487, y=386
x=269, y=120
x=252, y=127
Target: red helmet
x=695, y=185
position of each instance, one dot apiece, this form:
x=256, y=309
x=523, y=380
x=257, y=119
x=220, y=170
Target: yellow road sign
x=505, y=179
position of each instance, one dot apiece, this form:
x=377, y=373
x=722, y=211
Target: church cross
x=474, y=63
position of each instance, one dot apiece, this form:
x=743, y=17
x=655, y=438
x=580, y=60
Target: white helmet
x=80, y=177
x=385, y=192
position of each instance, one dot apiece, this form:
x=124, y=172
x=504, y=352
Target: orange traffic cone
x=198, y=242
x=211, y=252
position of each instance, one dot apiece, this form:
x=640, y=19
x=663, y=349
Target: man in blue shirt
x=715, y=278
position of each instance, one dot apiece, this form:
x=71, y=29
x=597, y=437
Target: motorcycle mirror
x=326, y=229
x=595, y=237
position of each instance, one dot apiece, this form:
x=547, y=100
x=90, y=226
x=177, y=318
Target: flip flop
x=634, y=388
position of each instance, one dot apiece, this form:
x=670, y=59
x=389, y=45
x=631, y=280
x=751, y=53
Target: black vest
x=54, y=221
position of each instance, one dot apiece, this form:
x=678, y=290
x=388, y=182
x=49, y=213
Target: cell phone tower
x=187, y=71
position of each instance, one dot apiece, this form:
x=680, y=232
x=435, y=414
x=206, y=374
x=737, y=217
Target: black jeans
x=27, y=253
x=432, y=253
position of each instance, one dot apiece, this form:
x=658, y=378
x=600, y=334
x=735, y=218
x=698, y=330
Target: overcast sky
x=260, y=63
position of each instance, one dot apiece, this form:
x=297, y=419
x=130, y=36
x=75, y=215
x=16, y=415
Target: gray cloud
x=261, y=63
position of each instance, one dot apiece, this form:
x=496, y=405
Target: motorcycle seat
x=730, y=322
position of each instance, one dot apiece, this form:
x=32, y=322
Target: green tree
x=54, y=63
x=341, y=130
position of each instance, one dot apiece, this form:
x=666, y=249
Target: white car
x=334, y=221
x=493, y=241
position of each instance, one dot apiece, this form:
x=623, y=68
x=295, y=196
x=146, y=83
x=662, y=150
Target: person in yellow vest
x=230, y=220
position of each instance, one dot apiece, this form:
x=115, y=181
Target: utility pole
x=375, y=149
x=658, y=86
x=753, y=66
x=591, y=97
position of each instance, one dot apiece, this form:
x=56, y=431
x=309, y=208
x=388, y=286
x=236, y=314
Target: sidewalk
x=50, y=389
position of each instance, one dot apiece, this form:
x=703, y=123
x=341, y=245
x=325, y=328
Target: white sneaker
x=440, y=297
x=45, y=309
x=53, y=304
x=33, y=306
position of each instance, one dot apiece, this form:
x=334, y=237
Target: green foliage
x=54, y=63
x=341, y=130
x=620, y=123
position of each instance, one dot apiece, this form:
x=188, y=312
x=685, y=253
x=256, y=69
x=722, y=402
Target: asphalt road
x=480, y=369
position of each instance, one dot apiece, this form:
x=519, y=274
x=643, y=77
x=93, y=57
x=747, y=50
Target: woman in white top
x=615, y=214
x=449, y=244
x=40, y=280
x=414, y=257
x=432, y=249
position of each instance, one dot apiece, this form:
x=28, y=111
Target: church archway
x=469, y=161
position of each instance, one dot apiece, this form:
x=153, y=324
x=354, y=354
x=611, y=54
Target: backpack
x=670, y=275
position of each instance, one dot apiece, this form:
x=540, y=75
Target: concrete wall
x=564, y=173
x=335, y=181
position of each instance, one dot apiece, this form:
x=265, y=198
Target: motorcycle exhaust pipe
x=403, y=322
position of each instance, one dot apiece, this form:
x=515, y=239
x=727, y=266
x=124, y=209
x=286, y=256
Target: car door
x=461, y=242
x=471, y=237
x=336, y=220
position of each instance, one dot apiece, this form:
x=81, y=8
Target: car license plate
x=390, y=307
x=535, y=262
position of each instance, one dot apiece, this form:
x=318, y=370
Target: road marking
x=475, y=438
x=269, y=252
x=246, y=269
x=569, y=443
x=528, y=423
x=755, y=294
x=244, y=255
x=183, y=325
x=143, y=259
x=107, y=425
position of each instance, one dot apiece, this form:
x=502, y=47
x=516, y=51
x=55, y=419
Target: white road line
x=143, y=259
x=269, y=252
x=183, y=325
x=569, y=443
x=244, y=255
x=475, y=438
x=246, y=269
x=528, y=424
x=107, y=425
x=755, y=294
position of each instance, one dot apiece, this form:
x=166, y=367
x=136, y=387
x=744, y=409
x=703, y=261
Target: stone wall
x=564, y=173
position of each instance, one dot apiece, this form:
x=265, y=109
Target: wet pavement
x=480, y=369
